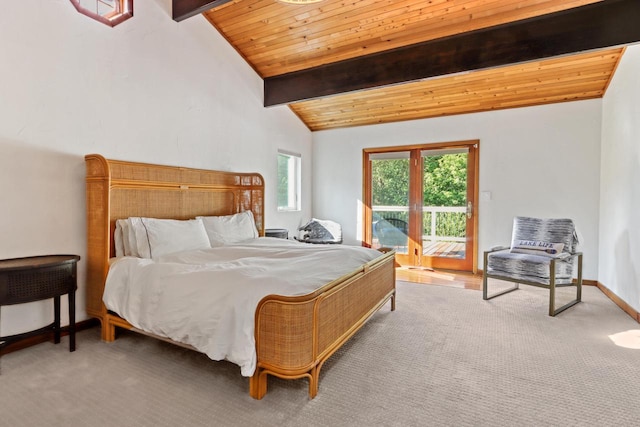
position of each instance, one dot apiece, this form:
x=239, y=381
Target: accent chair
x=543, y=253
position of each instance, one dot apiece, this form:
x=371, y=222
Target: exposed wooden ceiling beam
x=183, y=9
x=595, y=26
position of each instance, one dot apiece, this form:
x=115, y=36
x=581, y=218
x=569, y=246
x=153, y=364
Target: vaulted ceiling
x=341, y=63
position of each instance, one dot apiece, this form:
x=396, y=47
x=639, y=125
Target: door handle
x=469, y=210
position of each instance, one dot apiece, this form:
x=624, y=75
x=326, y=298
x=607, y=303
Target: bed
x=293, y=335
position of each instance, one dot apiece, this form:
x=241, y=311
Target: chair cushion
x=552, y=230
x=526, y=267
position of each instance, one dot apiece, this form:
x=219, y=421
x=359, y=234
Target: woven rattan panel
x=32, y=285
x=340, y=310
x=286, y=334
x=141, y=189
x=183, y=203
x=165, y=203
x=143, y=172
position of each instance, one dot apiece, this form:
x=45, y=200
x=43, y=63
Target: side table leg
x=1, y=342
x=56, y=319
x=72, y=320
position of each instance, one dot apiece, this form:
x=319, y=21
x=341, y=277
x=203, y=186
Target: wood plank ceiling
x=277, y=39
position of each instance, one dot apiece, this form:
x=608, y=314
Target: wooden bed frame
x=294, y=335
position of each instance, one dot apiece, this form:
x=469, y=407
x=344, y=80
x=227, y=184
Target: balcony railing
x=439, y=223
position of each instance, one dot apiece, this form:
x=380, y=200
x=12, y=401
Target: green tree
x=445, y=180
x=444, y=184
x=390, y=182
x=283, y=180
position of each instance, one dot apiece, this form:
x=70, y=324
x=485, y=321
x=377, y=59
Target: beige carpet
x=444, y=358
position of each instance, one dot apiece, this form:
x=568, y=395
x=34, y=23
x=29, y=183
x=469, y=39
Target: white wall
x=537, y=161
x=620, y=182
x=149, y=90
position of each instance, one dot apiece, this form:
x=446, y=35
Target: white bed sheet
x=207, y=298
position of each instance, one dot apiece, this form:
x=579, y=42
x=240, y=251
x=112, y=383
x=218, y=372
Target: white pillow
x=128, y=238
x=134, y=241
x=171, y=235
x=118, y=239
x=139, y=238
x=230, y=228
x=535, y=247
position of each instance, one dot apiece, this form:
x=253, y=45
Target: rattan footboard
x=294, y=335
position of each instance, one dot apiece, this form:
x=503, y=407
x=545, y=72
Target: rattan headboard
x=118, y=189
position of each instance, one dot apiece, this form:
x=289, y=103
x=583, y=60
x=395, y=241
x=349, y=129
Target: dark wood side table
x=281, y=233
x=37, y=278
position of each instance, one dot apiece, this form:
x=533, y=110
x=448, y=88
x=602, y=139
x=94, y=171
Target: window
x=109, y=12
x=288, y=181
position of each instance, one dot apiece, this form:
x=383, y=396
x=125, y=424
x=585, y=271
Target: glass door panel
x=390, y=202
x=446, y=209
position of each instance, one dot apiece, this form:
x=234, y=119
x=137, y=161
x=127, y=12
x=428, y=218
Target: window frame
x=294, y=182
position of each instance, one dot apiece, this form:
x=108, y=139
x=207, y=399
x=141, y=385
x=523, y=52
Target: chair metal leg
x=552, y=287
x=485, y=290
x=484, y=277
x=484, y=282
x=564, y=307
x=552, y=310
x=485, y=295
x=579, y=291
x=485, y=287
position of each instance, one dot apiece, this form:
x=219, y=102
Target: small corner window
x=289, y=165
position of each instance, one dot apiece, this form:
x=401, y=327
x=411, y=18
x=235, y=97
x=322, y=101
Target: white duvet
x=207, y=298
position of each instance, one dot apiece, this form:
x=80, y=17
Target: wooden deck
x=443, y=249
x=435, y=249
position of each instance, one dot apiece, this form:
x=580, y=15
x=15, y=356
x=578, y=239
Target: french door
x=421, y=202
